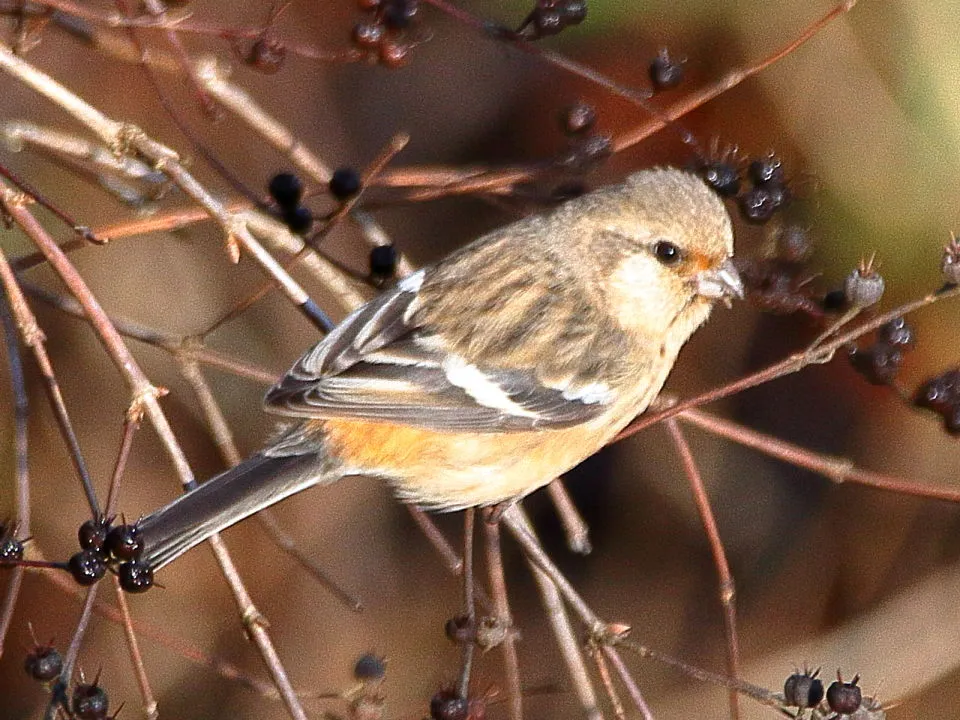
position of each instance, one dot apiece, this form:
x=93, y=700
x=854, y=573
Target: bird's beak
x=720, y=283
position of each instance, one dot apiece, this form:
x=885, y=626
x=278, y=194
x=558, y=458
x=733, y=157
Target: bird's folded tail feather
x=256, y=483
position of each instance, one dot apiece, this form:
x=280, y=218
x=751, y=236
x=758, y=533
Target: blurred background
x=865, y=119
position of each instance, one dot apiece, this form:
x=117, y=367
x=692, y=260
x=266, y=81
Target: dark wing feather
x=379, y=365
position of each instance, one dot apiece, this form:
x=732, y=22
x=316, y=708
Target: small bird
x=483, y=377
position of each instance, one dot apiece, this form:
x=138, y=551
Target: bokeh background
x=865, y=117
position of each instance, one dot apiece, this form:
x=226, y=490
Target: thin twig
x=726, y=581
x=469, y=604
x=133, y=645
x=501, y=607
x=576, y=530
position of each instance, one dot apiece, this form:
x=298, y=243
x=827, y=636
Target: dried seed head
x=864, y=286
x=803, y=689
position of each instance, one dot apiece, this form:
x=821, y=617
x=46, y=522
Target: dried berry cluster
x=10, y=547
x=384, y=37
x=880, y=361
x=804, y=691
x=768, y=192
x=104, y=546
x=779, y=282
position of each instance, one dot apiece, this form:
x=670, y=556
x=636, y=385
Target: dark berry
x=578, y=119
x=298, y=219
x=10, y=548
x=368, y=35
x=87, y=566
x=383, y=262
x=844, y=698
x=397, y=14
x=665, y=72
x=286, y=189
x=267, y=55
x=759, y=203
x=92, y=534
x=43, y=663
x=834, y=301
x=547, y=22
x=803, y=690
x=344, y=183
x=951, y=419
x=879, y=363
x=135, y=576
x=447, y=705
x=940, y=393
x=124, y=542
x=90, y=702
x=896, y=332
x=723, y=177
x=767, y=170
x=574, y=11
x=370, y=667
x=793, y=244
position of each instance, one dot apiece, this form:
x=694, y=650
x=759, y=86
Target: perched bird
x=482, y=378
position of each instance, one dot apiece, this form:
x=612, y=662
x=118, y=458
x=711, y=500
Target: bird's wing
x=380, y=365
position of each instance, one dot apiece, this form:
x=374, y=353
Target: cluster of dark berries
x=779, y=282
x=665, y=71
x=286, y=189
x=10, y=547
x=106, y=546
x=880, y=362
x=382, y=37
x=768, y=192
x=90, y=702
x=804, y=690
x=550, y=17
x=942, y=395
x=587, y=148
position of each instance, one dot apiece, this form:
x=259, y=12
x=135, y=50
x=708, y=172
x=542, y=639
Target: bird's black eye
x=667, y=253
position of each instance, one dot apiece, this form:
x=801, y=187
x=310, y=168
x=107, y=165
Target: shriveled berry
x=370, y=667
x=135, y=576
x=267, y=55
x=367, y=35
x=578, y=119
x=447, y=705
x=896, y=332
x=124, y=542
x=92, y=534
x=298, y=219
x=766, y=170
x=665, y=72
x=803, y=690
x=90, y=702
x=844, y=697
x=383, y=262
x=43, y=663
x=286, y=189
x=723, y=177
x=344, y=183
x=87, y=566
x=864, y=286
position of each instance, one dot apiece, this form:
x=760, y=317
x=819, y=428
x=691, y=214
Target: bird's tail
x=256, y=483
